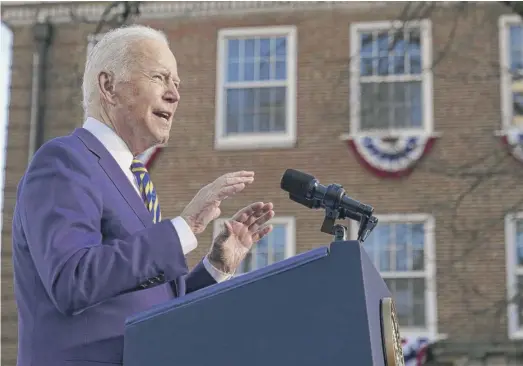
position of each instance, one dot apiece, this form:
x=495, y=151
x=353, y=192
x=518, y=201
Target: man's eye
x=159, y=77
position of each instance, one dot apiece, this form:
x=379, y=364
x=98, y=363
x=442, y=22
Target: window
x=511, y=60
x=256, y=88
x=276, y=246
x=514, y=258
x=391, y=78
x=402, y=249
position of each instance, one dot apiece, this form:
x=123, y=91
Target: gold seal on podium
x=390, y=334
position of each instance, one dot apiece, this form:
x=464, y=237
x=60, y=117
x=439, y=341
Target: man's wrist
x=218, y=275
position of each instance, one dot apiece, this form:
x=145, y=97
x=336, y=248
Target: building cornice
x=68, y=12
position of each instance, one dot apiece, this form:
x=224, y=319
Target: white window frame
x=425, y=27
x=515, y=330
x=431, y=311
x=290, y=232
x=504, y=23
x=251, y=141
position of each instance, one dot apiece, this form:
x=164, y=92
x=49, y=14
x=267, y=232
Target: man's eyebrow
x=168, y=73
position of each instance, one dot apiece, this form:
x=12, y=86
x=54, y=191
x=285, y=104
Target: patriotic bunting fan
x=391, y=156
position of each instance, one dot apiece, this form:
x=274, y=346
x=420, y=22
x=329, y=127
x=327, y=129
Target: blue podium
x=328, y=306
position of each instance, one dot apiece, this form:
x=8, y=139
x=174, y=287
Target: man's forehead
x=154, y=54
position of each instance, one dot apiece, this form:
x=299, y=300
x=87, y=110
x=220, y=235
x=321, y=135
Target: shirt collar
x=111, y=141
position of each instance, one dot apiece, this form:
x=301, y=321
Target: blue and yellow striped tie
x=146, y=188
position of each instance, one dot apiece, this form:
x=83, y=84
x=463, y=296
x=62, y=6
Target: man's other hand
x=205, y=206
x=238, y=236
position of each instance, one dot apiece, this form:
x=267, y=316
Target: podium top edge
x=234, y=282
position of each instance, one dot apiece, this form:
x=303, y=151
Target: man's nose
x=172, y=95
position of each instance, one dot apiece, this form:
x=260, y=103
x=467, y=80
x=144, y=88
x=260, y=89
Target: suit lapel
x=117, y=176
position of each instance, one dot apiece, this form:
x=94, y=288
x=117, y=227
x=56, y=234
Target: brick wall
x=470, y=269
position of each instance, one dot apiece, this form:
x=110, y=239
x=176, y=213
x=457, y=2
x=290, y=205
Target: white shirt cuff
x=218, y=275
x=187, y=238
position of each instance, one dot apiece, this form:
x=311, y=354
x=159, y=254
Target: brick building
x=269, y=86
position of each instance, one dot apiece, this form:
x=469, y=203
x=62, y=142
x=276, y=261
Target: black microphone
x=307, y=190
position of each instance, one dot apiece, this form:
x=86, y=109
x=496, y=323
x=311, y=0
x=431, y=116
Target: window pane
x=233, y=108
x=409, y=298
x=391, y=105
x=233, y=71
x=401, y=243
x=516, y=48
x=278, y=240
x=264, y=59
x=248, y=118
x=414, y=51
x=418, y=243
x=248, y=71
x=366, y=45
x=383, y=43
x=366, y=66
x=270, y=249
x=416, y=97
x=402, y=238
x=233, y=49
x=519, y=242
x=517, y=104
x=281, y=70
x=249, y=49
x=519, y=301
x=257, y=59
x=262, y=253
x=256, y=110
x=281, y=47
x=278, y=109
x=382, y=246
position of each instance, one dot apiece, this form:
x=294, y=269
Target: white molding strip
x=26, y=13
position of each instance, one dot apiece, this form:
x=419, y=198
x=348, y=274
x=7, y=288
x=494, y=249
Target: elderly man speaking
x=90, y=245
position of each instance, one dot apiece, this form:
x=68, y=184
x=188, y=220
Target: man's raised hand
x=205, y=206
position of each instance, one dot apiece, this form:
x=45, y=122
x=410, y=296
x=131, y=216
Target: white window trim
x=285, y=139
x=431, y=311
x=515, y=330
x=426, y=78
x=290, y=233
x=505, y=21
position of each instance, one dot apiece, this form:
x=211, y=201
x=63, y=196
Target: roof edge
x=27, y=13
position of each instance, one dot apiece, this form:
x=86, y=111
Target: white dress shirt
x=123, y=156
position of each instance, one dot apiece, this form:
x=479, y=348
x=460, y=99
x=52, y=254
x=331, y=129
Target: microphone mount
x=334, y=211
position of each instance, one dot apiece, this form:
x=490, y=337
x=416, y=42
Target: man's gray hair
x=113, y=54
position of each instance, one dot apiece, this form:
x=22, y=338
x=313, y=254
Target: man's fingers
x=229, y=191
x=261, y=233
x=241, y=173
x=245, y=213
x=229, y=181
x=260, y=220
x=235, y=178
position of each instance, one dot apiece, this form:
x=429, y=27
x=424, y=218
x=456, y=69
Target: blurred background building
x=414, y=107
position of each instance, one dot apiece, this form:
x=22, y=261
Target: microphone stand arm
x=334, y=211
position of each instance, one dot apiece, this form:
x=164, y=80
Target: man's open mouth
x=163, y=114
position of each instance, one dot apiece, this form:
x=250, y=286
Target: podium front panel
x=317, y=308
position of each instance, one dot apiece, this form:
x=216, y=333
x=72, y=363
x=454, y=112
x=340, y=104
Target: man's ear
x=106, y=87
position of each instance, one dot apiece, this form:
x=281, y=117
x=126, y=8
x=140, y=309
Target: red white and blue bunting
x=513, y=139
x=415, y=350
x=149, y=156
x=391, y=157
